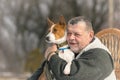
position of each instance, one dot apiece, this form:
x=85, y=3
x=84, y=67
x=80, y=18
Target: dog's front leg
x=67, y=68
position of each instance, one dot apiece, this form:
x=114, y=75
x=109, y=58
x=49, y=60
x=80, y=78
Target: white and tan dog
x=57, y=34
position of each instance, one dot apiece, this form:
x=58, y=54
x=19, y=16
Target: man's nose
x=72, y=36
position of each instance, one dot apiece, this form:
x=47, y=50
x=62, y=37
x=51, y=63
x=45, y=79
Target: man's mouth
x=72, y=43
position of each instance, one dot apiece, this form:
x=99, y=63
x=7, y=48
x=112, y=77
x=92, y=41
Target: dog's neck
x=62, y=44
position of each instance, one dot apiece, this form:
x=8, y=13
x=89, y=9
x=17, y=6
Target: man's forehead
x=81, y=23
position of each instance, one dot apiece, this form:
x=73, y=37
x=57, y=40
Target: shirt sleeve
x=95, y=64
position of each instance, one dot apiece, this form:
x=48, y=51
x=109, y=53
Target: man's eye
x=77, y=35
x=69, y=34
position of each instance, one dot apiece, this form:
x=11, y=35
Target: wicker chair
x=111, y=38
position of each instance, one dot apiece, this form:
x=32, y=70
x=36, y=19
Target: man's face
x=77, y=36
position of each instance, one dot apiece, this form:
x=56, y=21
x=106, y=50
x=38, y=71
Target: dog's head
x=57, y=31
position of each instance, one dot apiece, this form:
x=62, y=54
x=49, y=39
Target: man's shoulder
x=97, y=51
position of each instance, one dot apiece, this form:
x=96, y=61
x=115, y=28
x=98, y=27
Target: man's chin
x=75, y=50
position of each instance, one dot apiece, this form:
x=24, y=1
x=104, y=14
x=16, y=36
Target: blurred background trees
x=23, y=25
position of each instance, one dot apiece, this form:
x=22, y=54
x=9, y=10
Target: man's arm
x=94, y=64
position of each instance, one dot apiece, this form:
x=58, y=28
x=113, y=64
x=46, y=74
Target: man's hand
x=50, y=51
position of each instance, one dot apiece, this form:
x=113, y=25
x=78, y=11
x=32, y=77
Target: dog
x=57, y=34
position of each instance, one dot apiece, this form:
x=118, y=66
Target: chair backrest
x=111, y=38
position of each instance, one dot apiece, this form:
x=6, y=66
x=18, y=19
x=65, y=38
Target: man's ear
x=50, y=23
x=62, y=20
x=91, y=34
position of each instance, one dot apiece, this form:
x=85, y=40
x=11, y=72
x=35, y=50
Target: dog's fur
x=57, y=34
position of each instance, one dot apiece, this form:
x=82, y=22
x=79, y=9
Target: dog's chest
x=66, y=54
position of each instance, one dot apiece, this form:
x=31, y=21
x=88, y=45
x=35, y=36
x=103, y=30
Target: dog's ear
x=50, y=23
x=62, y=20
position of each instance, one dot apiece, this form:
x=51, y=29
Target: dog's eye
x=55, y=30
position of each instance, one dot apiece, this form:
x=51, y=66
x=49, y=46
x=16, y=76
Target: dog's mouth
x=47, y=39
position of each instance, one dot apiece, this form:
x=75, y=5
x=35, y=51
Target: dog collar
x=63, y=48
x=62, y=44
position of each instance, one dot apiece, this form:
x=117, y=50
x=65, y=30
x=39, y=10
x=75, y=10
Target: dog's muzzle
x=47, y=39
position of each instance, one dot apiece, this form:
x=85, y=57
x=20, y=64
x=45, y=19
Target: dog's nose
x=47, y=38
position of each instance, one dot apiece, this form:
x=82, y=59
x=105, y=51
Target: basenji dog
x=57, y=34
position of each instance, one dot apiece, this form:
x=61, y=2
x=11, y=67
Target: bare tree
x=95, y=10
x=110, y=19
